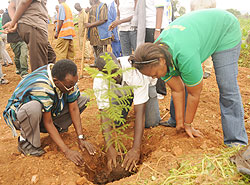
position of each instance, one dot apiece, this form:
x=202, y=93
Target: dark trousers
x=40, y=51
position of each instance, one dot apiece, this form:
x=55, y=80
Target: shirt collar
x=49, y=68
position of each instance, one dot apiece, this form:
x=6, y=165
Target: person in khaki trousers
x=199, y=5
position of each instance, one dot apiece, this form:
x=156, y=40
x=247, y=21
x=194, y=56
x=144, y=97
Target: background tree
x=178, y=10
x=234, y=11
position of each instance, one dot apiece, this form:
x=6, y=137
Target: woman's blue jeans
x=232, y=112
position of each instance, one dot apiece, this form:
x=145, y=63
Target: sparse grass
x=245, y=48
x=214, y=169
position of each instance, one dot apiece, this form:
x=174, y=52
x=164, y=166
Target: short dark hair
x=62, y=68
x=100, y=62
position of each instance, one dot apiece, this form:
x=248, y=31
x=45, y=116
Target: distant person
x=2, y=79
x=97, y=25
x=48, y=100
x=65, y=32
x=81, y=21
x=30, y=19
x=3, y=40
x=115, y=44
x=19, y=47
x=127, y=33
x=199, y=5
x=56, y=16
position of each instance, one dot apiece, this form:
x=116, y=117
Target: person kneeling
x=145, y=101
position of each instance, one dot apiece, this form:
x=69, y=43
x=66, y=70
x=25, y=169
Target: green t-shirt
x=194, y=37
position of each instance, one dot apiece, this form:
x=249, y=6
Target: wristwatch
x=81, y=136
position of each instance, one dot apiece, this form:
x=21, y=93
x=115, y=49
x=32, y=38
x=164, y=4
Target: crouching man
x=48, y=100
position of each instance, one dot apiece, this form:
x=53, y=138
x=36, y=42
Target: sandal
x=3, y=81
x=28, y=149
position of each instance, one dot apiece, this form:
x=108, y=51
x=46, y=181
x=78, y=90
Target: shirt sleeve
x=141, y=83
x=159, y=3
x=100, y=88
x=191, y=70
x=103, y=13
x=62, y=14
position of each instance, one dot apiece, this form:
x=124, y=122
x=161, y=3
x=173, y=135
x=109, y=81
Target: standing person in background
x=30, y=19
x=65, y=32
x=151, y=17
x=81, y=21
x=125, y=12
x=55, y=17
x=116, y=44
x=98, y=33
x=19, y=47
x=199, y=5
x=5, y=55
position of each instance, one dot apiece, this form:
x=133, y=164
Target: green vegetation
x=214, y=169
x=114, y=111
x=245, y=48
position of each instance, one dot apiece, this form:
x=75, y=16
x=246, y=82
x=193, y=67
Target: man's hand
x=74, y=156
x=157, y=34
x=192, y=132
x=131, y=159
x=10, y=27
x=87, y=25
x=114, y=24
x=56, y=35
x=111, y=156
x=85, y=144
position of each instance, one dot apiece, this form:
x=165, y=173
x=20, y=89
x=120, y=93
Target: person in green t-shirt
x=176, y=57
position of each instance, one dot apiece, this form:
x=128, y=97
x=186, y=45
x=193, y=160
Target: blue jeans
x=128, y=42
x=232, y=112
x=116, y=48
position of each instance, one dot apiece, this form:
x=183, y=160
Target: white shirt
x=131, y=78
x=126, y=8
x=151, y=6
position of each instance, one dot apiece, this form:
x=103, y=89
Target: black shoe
x=206, y=75
x=28, y=149
x=168, y=123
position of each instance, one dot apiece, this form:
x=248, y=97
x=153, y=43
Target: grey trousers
x=29, y=119
x=152, y=113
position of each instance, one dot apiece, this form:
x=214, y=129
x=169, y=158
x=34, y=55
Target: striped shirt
x=38, y=86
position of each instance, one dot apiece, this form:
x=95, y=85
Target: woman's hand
x=191, y=131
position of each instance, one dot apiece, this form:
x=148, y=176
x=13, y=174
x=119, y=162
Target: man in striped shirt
x=48, y=100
